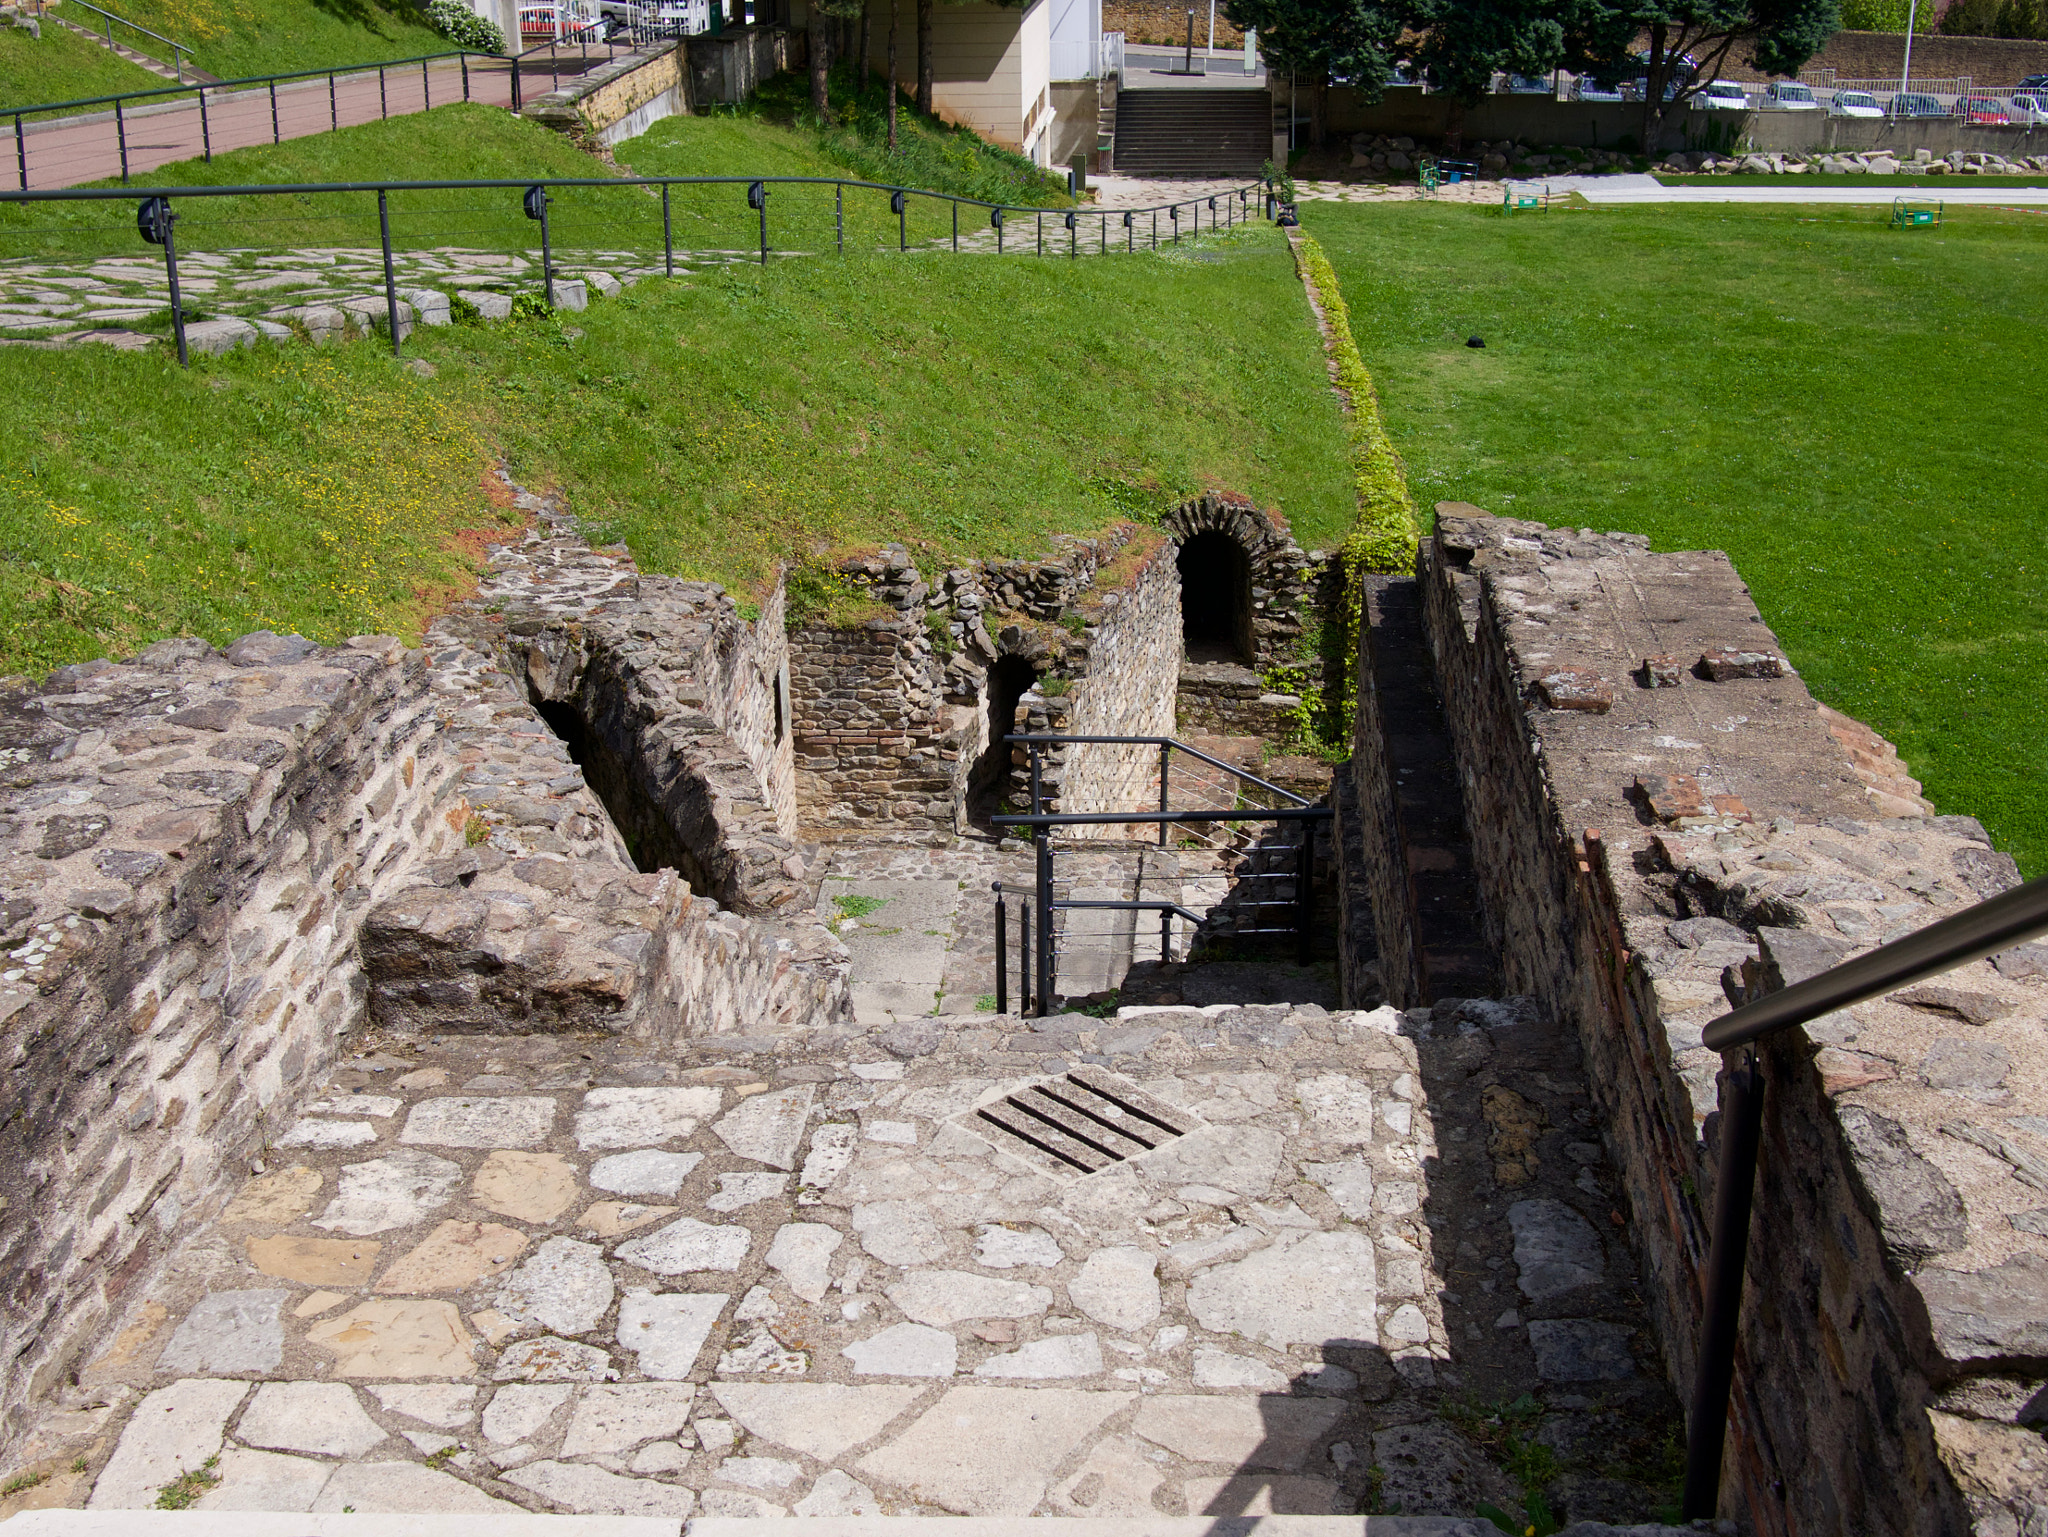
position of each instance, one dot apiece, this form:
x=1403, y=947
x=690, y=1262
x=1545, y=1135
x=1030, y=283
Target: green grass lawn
x=233, y=39
x=1847, y=410
x=472, y=142
x=720, y=424
x=62, y=66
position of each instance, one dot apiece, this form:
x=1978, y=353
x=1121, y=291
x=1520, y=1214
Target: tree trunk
x=861, y=69
x=924, y=56
x=821, y=59
x=892, y=76
x=1653, y=89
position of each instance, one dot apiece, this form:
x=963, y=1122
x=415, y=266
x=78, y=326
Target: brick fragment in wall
x=1879, y=1252
x=1726, y=662
x=1574, y=688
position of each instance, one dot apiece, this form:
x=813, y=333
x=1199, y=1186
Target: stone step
x=215, y=1523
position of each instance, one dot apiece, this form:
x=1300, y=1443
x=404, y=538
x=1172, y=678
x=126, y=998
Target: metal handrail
x=177, y=48
x=1167, y=741
x=2011, y=918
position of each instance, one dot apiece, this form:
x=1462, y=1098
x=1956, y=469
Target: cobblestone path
x=1366, y=1262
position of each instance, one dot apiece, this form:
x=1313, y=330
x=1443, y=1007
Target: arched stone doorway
x=1216, y=600
x=993, y=778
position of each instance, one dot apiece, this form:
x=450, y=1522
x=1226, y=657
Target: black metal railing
x=1985, y=929
x=158, y=214
x=1039, y=962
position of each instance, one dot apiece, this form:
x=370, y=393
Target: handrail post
x=333, y=107
x=1165, y=770
x=383, y=100
x=1002, y=953
x=1742, y=1120
x=668, y=239
x=1024, y=957
x=426, y=89
x=205, y=131
x=1040, y=221
x=547, y=258
x=21, y=151
x=1304, y=898
x=956, y=223
x=390, y=280
x=121, y=133
x=839, y=217
x=275, y=136
x=171, y=272
x=1042, y=849
x=465, y=76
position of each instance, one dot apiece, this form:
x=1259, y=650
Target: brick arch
x=1281, y=574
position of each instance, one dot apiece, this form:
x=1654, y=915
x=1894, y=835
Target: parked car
x=665, y=18
x=1855, y=104
x=1586, y=88
x=1790, y=96
x=2035, y=83
x=1914, y=104
x=1529, y=85
x=1983, y=111
x=2030, y=109
x=1726, y=94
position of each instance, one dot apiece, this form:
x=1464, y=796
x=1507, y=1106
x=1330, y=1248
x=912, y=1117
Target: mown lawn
x=62, y=66
x=720, y=424
x=235, y=39
x=1850, y=412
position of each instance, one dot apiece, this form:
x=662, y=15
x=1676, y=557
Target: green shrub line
x=1384, y=537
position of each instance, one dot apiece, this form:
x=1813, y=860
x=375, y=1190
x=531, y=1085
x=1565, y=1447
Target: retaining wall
x=625, y=96
x=1653, y=844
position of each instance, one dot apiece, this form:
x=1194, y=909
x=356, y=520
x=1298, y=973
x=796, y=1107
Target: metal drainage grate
x=1082, y=1122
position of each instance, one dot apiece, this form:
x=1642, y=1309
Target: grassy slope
x=1809, y=393
x=721, y=423
x=62, y=66
x=236, y=38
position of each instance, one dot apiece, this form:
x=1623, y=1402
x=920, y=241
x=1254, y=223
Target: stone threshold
x=214, y=1523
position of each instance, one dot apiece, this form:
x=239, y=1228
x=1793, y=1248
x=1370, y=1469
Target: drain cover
x=1079, y=1123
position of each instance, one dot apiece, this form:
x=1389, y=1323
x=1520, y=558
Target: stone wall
x=620, y=98
x=191, y=839
x=1369, y=825
x=214, y=865
x=1994, y=64
x=1665, y=823
x=1125, y=670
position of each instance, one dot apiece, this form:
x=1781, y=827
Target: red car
x=1984, y=111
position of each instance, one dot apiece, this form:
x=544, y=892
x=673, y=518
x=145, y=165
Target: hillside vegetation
x=231, y=39
x=62, y=66
x=1800, y=387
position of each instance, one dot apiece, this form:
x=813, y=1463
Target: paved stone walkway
x=495, y=1272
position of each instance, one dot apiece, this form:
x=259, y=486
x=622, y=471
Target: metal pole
x=1303, y=888
x=1165, y=936
x=177, y=301
x=764, y=224
x=205, y=132
x=903, y=226
x=839, y=222
x=426, y=87
x=390, y=280
x=1165, y=769
x=547, y=260
x=121, y=133
x=1742, y=1123
x=1040, y=221
x=21, y=151
x=668, y=241
x=1024, y=958
x=1043, y=849
x=1188, y=67
x=383, y=102
x=1002, y=953
x=333, y=107
x=1155, y=229
x=465, y=77
x=275, y=136
x=1906, y=72
x=956, y=223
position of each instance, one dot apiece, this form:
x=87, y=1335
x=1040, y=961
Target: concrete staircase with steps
x=1193, y=132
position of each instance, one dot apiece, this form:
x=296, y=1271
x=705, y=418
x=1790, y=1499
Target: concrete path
x=489, y=1275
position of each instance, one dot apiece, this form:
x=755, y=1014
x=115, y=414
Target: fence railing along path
x=263, y=242
x=60, y=144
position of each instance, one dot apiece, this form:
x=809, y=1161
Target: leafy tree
x=1468, y=42
x=1320, y=41
x=1690, y=41
x=823, y=14
x=1996, y=18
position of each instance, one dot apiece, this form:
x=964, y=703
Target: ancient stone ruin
x=555, y=1069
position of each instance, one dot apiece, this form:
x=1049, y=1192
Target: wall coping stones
x=1714, y=841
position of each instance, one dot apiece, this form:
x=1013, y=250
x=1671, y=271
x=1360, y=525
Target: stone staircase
x=1192, y=132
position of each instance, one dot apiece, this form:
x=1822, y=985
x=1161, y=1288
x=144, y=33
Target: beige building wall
x=991, y=67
